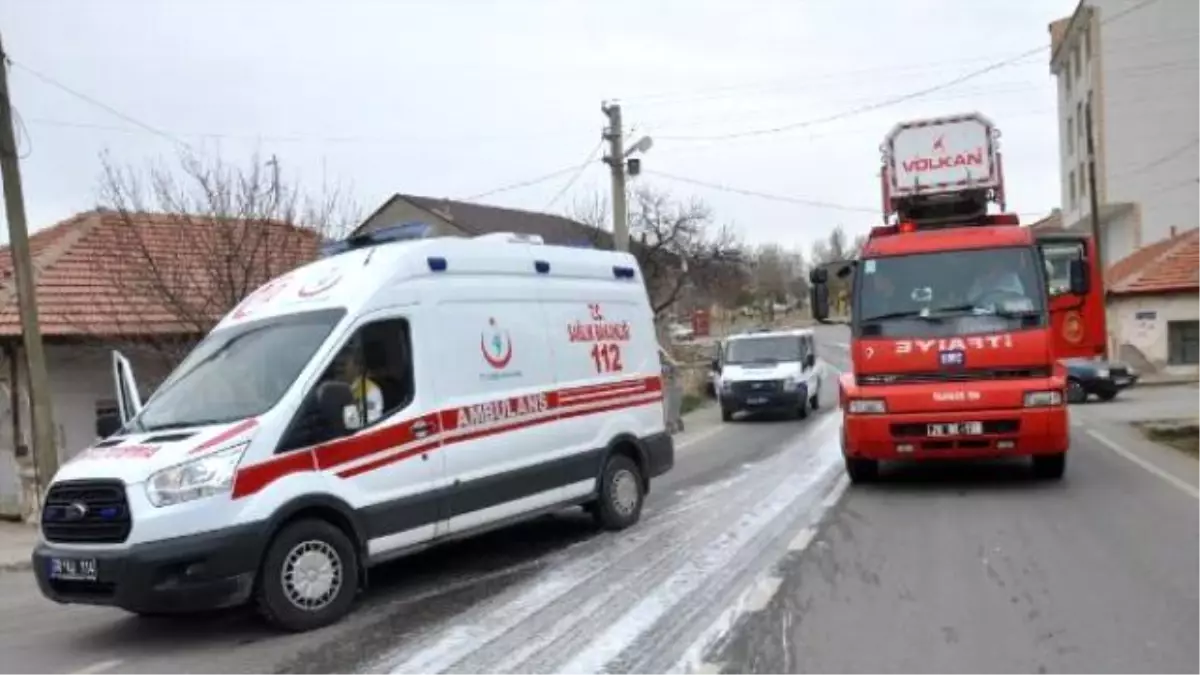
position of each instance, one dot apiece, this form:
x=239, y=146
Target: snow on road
x=633, y=601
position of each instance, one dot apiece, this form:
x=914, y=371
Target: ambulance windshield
x=949, y=293
x=237, y=372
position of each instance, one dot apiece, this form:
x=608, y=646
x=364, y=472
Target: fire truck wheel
x=1050, y=467
x=862, y=470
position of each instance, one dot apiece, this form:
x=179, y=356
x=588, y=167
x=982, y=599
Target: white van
x=375, y=402
x=768, y=370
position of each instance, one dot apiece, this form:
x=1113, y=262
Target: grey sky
x=456, y=97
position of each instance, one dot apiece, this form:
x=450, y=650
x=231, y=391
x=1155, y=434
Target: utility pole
x=45, y=449
x=1094, y=206
x=616, y=162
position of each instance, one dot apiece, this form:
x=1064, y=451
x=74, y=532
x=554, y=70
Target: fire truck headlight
x=867, y=406
x=1043, y=399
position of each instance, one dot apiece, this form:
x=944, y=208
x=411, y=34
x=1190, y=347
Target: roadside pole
x=45, y=450
x=614, y=134
x=1094, y=207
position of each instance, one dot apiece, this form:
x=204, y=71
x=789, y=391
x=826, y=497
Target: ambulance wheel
x=862, y=470
x=309, y=576
x=1050, y=467
x=622, y=490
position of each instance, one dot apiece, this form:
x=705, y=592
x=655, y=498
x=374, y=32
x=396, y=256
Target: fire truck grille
x=955, y=376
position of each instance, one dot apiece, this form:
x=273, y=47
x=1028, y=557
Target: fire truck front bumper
x=975, y=434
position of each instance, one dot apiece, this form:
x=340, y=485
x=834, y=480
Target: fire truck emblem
x=940, y=144
x=1072, y=328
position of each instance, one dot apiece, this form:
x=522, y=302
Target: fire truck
x=959, y=317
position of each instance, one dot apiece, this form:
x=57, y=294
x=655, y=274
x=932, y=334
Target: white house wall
x=1142, y=340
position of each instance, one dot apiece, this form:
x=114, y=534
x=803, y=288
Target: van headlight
x=867, y=406
x=1043, y=399
x=209, y=475
x=791, y=384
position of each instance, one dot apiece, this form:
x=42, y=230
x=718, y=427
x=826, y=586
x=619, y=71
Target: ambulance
x=395, y=394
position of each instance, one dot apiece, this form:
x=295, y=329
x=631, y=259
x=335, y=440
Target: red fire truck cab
x=959, y=318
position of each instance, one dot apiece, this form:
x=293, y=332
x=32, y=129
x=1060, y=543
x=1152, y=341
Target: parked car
x=1102, y=379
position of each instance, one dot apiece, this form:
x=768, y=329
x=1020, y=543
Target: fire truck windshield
x=949, y=293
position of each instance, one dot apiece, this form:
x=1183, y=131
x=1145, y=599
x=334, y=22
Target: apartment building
x=1137, y=61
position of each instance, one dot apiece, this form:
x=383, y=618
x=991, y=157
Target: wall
x=80, y=377
x=1143, y=343
x=1147, y=101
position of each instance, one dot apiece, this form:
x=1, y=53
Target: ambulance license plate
x=956, y=429
x=73, y=569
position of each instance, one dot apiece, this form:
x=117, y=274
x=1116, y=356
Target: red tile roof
x=106, y=273
x=1166, y=266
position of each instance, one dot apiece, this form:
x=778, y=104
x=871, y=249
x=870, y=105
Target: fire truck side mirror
x=1080, y=281
x=819, y=296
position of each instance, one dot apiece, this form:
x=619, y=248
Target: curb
x=20, y=566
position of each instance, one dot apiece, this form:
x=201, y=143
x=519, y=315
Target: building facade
x=1137, y=62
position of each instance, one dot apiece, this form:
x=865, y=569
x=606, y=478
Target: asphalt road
x=736, y=495
x=974, y=568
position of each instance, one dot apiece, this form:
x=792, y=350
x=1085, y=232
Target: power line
x=528, y=182
x=99, y=104
x=763, y=195
x=579, y=172
x=1163, y=159
x=895, y=100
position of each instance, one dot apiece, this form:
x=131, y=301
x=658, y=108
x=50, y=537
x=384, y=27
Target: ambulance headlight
x=209, y=475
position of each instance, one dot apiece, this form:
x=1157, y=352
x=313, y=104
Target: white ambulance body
x=369, y=404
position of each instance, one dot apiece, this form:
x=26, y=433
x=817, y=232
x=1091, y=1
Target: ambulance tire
x=1050, y=467
x=622, y=492
x=310, y=541
x=862, y=470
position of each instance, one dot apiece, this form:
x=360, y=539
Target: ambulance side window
x=374, y=372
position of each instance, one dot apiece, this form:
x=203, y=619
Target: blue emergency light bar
x=384, y=235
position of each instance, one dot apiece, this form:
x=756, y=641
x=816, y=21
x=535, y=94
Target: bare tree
x=677, y=244
x=181, y=245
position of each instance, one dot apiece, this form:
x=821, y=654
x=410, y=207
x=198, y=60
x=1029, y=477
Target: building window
x=1071, y=189
x=1075, y=60
x=1087, y=46
x=1082, y=181
x=1183, y=343
x=1070, y=135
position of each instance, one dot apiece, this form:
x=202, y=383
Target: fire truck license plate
x=956, y=429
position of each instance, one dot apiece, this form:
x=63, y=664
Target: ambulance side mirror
x=1080, y=280
x=331, y=401
x=108, y=424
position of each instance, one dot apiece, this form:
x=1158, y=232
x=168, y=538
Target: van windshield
x=785, y=348
x=237, y=372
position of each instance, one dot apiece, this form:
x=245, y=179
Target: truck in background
x=958, y=320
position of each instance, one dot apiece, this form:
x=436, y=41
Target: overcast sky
x=453, y=98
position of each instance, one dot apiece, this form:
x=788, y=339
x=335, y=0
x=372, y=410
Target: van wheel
x=309, y=576
x=802, y=413
x=726, y=414
x=621, y=494
x=815, y=401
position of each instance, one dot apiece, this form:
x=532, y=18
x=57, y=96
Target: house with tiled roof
x=1154, y=305
x=452, y=218
x=148, y=284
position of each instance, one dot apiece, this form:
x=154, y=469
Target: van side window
x=375, y=364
